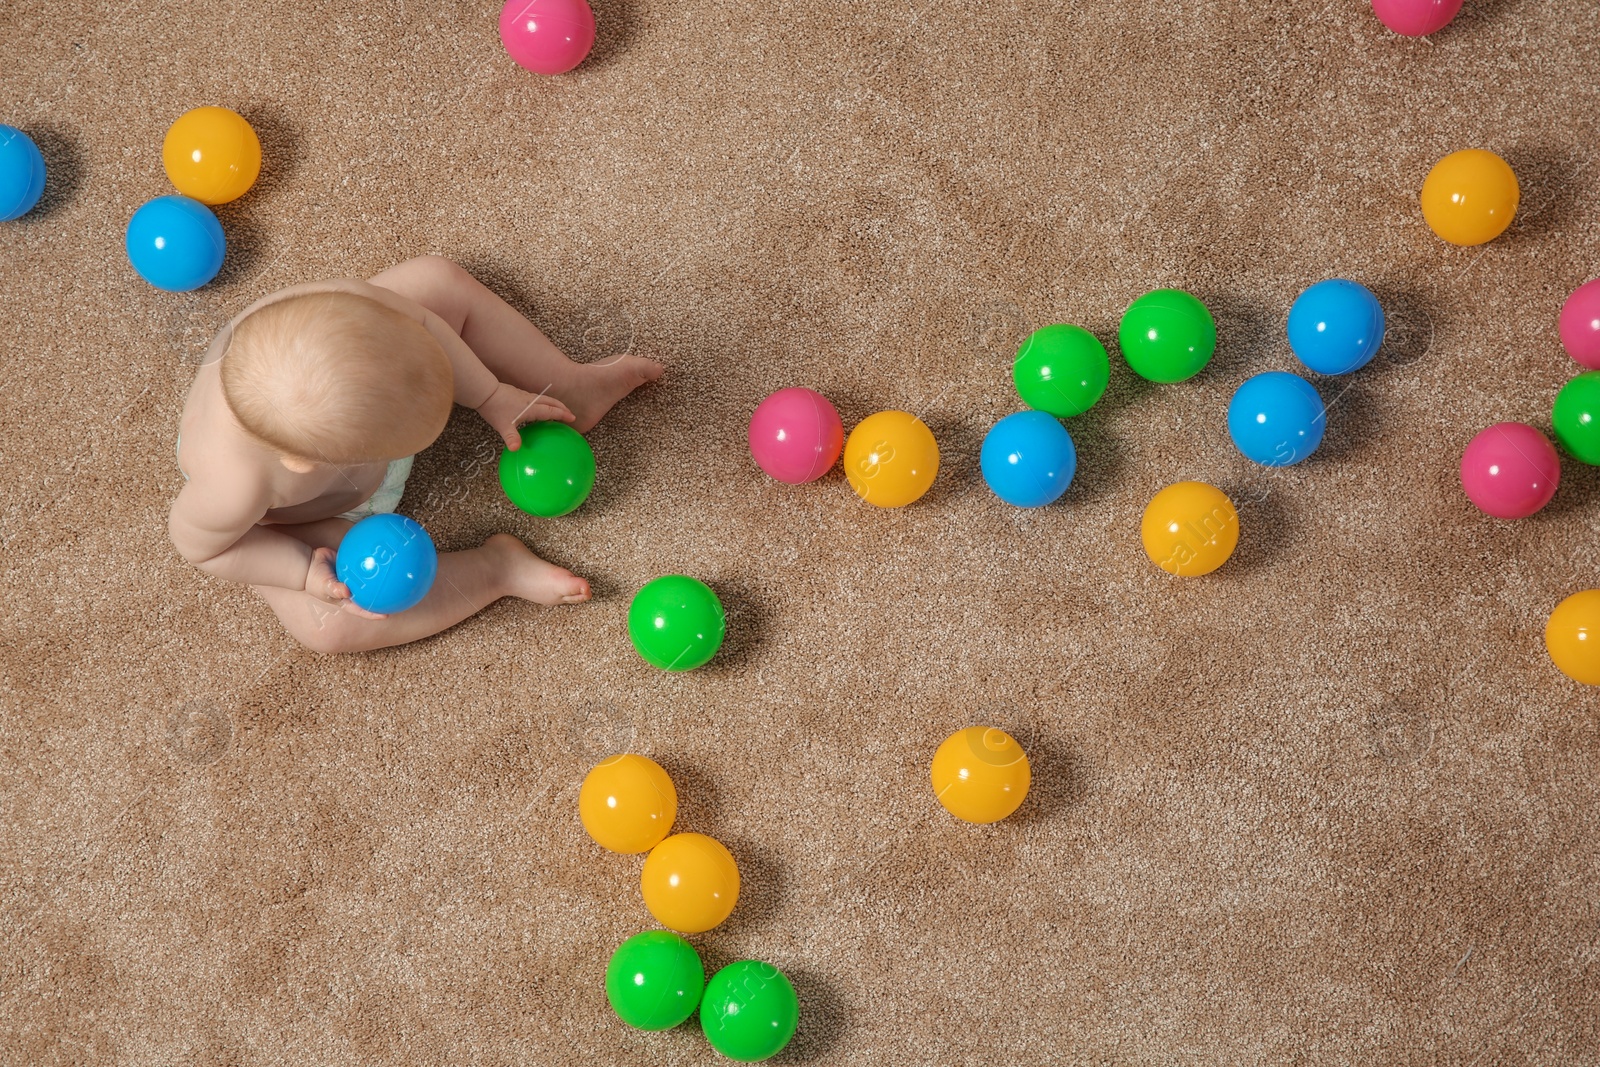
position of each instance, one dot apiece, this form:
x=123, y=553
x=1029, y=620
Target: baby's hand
x=509, y=407
x=323, y=583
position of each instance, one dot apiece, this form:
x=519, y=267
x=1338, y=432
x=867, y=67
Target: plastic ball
x=1470, y=197
x=690, y=883
x=21, y=173
x=1580, y=324
x=389, y=563
x=1572, y=636
x=654, y=980
x=749, y=1011
x=1510, y=470
x=1576, y=417
x=1028, y=459
x=212, y=154
x=796, y=435
x=676, y=622
x=891, y=459
x=1276, y=419
x=1061, y=369
x=547, y=36
x=1335, y=326
x=1190, y=528
x=175, y=243
x=627, y=803
x=1415, y=18
x=980, y=774
x=552, y=473
x=1167, y=336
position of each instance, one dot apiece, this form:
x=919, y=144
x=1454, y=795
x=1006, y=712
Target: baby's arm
x=216, y=531
x=534, y=379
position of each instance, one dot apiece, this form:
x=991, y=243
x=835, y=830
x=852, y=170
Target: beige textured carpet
x=1331, y=804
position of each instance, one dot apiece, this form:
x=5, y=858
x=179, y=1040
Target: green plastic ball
x=749, y=1011
x=1061, y=369
x=676, y=622
x=1577, y=417
x=654, y=980
x=553, y=471
x=1167, y=336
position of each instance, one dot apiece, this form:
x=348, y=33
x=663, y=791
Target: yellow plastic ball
x=891, y=458
x=1190, y=528
x=627, y=803
x=1573, y=636
x=980, y=774
x=212, y=154
x=1470, y=197
x=690, y=883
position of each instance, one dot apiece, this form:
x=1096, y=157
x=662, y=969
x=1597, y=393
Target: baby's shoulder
x=215, y=467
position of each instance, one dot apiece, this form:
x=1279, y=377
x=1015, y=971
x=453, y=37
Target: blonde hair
x=337, y=378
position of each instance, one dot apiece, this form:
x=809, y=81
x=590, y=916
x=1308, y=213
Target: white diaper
x=383, y=502
x=387, y=498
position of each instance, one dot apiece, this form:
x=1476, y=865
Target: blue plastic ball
x=1276, y=419
x=389, y=563
x=21, y=173
x=175, y=243
x=1336, y=326
x=1028, y=459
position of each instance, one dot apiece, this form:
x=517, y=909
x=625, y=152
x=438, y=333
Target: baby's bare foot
x=531, y=578
x=600, y=385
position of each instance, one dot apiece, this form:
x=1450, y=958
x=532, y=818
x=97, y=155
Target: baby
x=305, y=414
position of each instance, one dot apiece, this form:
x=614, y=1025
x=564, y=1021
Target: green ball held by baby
x=552, y=473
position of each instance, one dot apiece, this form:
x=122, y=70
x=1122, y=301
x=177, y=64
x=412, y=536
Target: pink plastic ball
x=547, y=36
x=1580, y=324
x=1510, y=470
x=796, y=435
x=1415, y=18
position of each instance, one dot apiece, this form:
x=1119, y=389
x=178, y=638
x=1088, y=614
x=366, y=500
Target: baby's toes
x=557, y=586
x=642, y=370
x=576, y=592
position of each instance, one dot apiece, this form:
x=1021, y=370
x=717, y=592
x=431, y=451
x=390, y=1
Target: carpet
x=1330, y=804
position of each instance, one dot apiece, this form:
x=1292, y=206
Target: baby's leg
x=511, y=346
x=467, y=583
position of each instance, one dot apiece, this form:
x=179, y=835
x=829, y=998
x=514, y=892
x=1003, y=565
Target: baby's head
x=337, y=378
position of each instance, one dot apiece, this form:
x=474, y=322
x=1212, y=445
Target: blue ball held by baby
x=1276, y=419
x=1028, y=459
x=175, y=243
x=21, y=173
x=1336, y=326
x=389, y=563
